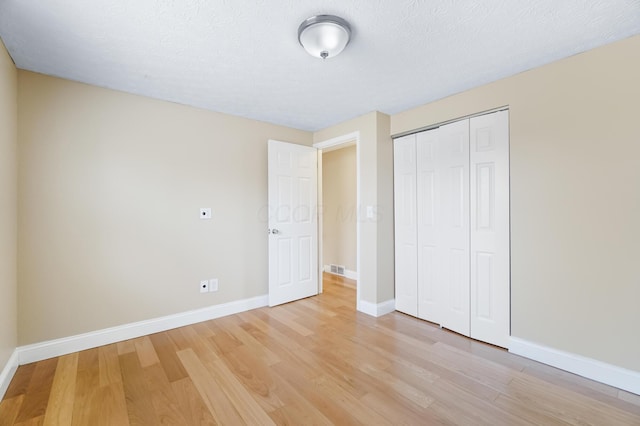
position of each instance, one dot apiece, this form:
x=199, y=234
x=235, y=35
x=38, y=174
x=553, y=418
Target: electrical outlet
x=213, y=284
x=204, y=286
x=205, y=213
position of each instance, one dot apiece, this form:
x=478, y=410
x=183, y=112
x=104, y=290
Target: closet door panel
x=454, y=225
x=405, y=210
x=490, y=264
x=429, y=217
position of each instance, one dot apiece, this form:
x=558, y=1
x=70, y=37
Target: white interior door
x=430, y=292
x=293, y=225
x=490, y=289
x=404, y=185
x=454, y=210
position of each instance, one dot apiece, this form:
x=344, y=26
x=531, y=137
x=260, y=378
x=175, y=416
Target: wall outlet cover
x=205, y=213
x=204, y=286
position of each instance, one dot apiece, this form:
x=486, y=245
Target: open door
x=293, y=224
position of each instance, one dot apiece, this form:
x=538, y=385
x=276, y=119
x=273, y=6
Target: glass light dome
x=324, y=36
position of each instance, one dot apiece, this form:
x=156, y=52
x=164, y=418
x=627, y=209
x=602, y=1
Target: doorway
x=339, y=196
x=339, y=211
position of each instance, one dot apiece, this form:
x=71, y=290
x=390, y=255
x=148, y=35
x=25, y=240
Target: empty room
x=334, y=212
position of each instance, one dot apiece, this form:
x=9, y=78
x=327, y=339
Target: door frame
x=338, y=142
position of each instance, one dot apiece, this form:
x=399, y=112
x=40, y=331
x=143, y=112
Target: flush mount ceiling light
x=324, y=36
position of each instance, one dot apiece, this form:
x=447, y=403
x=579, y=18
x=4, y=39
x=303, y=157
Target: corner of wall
x=385, y=254
x=8, y=217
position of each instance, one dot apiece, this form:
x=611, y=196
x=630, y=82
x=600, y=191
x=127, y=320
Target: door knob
x=275, y=231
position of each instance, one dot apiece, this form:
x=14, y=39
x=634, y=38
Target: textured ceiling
x=242, y=57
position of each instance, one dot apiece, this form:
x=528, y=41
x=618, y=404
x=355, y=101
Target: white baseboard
x=80, y=342
x=599, y=371
x=377, y=310
x=352, y=275
x=7, y=373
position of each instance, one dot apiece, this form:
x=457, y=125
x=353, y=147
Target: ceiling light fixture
x=324, y=36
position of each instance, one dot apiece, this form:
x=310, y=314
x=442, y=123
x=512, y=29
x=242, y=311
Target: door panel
x=430, y=290
x=406, y=270
x=490, y=264
x=293, y=231
x=454, y=226
x=484, y=287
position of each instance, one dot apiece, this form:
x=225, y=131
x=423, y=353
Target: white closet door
x=490, y=300
x=404, y=184
x=454, y=190
x=429, y=216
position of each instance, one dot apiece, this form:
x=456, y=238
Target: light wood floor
x=314, y=361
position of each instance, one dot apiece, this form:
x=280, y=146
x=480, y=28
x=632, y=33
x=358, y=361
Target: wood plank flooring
x=314, y=361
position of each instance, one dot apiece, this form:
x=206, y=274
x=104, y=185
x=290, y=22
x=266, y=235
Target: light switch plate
x=213, y=284
x=370, y=213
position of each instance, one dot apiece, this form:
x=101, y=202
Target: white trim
x=338, y=141
x=352, y=275
x=599, y=371
x=377, y=310
x=320, y=222
x=66, y=345
x=358, y=221
x=7, y=373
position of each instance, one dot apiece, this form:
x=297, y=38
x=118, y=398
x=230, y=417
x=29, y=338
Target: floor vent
x=337, y=269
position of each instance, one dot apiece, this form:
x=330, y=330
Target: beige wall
x=110, y=186
x=339, y=207
x=376, y=189
x=575, y=198
x=8, y=206
x=385, y=289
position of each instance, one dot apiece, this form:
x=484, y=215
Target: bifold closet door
x=454, y=225
x=406, y=234
x=490, y=258
x=430, y=249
